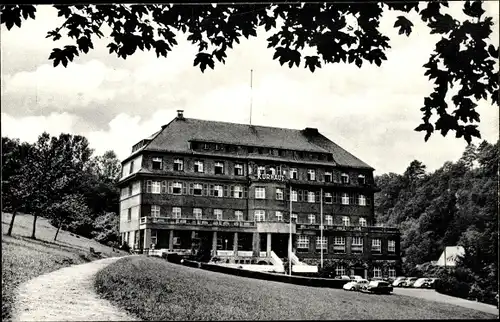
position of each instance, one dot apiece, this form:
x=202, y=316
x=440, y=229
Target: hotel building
x=198, y=184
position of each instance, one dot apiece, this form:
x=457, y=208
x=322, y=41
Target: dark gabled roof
x=176, y=135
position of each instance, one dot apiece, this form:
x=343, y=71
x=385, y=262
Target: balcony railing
x=371, y=229
x=198, y=222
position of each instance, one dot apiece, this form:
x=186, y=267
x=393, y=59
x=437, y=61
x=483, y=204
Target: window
x=198, y=166
x=376, y=245
x=197, y=189
x=130, y=190
x=311, y=175
x=129, y=214
x=131, y=169
x=361, y=179
x=392, y=273
x=154, y=236
x=321, y=243
x=391, y=246
x=219, y=168
x=345, y=221
x=261, y=170
x=311, y=218
x=238, y=192
x=238, y=214
x=293, y=174
x=153, y=186
x=357, y=245
x=197, y=213
x=339, y=244
x=279, y=216
x=362, y=200
x=157, y=163
x=362, y=222
x=218, y=191
x=176, y=212
x=155, y=211
x=328, y=197
x=271, y=171
x=218, y=147
x=294, y=195
x=345, y=199
x=177, y=188
x=279, y=194
x=302, y=242
x=206, y=146
x=377, y=272
x=260, y=193
x=339, y=270
x=311, y=197
x=260, y=215
x=238, y=169
x=329, y=220
x=179, y=165
x=328, y=177
x=344, y=178
x=218, y=214
x=294, y=217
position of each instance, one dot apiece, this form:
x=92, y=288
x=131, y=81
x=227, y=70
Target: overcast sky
x=370, y=112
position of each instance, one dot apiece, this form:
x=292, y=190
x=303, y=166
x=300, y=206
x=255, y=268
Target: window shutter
x=287, y=194
x=184, y=188
x=205, y=189
x=212, y=190
x=191, y=189
x=245, y=192
x=209, y=166
x=301, y=194
x=316, y=195
x=164, y=186
x=232, y=192
x=225, y=191
x=170, y=187
x=351, y=199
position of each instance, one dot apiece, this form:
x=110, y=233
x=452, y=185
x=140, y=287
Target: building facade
x=228, y=187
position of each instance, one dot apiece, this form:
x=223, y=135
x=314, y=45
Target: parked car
x=398, y=281
x=343, y=277
x=355, y=277
x=409, y=281
x=424, y=283
x=377, y=287
x=355, y=285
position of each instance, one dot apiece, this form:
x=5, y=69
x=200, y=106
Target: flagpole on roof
x=251, y=98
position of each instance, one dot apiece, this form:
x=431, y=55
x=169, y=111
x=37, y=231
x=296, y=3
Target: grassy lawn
x=24, y=258
x=153, y=289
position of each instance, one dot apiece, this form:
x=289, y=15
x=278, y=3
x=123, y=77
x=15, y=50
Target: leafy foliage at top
x=455, y=205
x=338, y=32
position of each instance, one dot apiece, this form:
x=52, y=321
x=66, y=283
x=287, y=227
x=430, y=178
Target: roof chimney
x=311, y=131
x=180, y=114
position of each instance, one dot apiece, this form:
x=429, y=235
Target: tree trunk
x=14, y=213
x=34, y=226
x=58, y=228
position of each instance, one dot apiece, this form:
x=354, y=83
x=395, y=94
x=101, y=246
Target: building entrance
x=279, y=244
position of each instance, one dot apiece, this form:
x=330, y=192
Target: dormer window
x=361, y=179
x=345, y=178
x=157, y=163
x=218, y=147
x=250, y=149
x=282, y=153
x=219, y=167
x=328, y=177
x=178, y=165
x=206, y=146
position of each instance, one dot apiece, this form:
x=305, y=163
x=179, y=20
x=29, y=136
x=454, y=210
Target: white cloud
x=30, y=127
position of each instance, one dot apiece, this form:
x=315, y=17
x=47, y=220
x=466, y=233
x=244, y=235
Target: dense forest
x=455, y=205
x=59, y=178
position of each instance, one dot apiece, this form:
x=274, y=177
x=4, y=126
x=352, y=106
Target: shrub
x=451, y=285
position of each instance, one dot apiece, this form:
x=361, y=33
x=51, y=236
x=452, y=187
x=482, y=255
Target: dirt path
x=66, y=295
